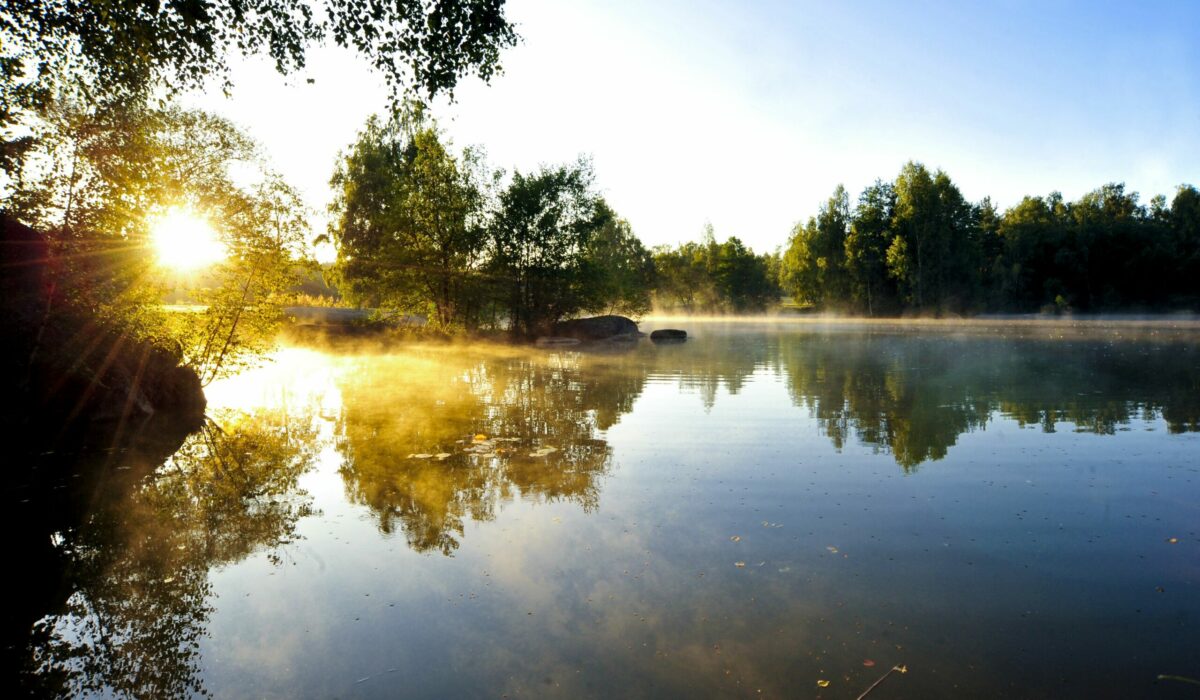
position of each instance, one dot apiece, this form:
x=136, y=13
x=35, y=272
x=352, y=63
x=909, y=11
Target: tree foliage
x=711, y=277
x=917, y=245
x=619, y=268
x=409, y=220
x=539, y=240
x=422, y=231
x=120, y=48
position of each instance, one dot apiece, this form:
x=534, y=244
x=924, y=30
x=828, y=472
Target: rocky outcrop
x=596, y=328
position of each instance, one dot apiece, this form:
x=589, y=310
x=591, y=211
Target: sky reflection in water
x=757, y=509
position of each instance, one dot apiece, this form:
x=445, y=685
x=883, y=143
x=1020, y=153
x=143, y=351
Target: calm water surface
x=1007, y=512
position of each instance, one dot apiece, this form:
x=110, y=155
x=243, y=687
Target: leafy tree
x=120, y=49
x=104, y=177
x=741, y=278
x=867, y=245
x=931, y=261
x=621, y=269
x=814, y=266
x=1184, y=217
x=711, y=277
x=682, y=280
x=409, y=220
x=539, y=240
x=243, y=308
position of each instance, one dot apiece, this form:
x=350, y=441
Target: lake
x=766, y=510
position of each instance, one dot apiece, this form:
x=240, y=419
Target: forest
x=916, y=245
x=424, y=231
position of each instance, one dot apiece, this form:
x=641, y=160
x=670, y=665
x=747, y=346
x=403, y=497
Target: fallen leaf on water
x=740, y=564
x=822, y=684
x=868, y=663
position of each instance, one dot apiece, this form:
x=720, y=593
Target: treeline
x=917, y=245
x=711, y=277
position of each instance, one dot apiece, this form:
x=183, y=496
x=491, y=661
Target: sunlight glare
x=184, y=241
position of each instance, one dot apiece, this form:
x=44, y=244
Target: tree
x=933, y=260
x=814, y=266
x=539, y=240
x=741, y=278
x=712, y=277
x=1184, y=219
x=409, y=220
x=867, y=245
x=682, y=281
x=107, y=176
x=243, y=307
x=620, y=268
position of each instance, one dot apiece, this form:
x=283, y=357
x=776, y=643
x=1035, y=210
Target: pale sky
x=748, y=114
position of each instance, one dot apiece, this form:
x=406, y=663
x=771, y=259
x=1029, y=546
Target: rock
x=596, y=328
x=668, y=335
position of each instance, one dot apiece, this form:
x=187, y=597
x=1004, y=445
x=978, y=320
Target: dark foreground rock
x=72, y=380
x=596, y=328
x=668, y=334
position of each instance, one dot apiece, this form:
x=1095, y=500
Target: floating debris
x=735, y=538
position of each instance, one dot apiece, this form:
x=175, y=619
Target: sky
x=747, y=115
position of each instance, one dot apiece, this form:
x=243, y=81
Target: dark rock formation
x=70, y=379
x=596, y=328
x=668, y=335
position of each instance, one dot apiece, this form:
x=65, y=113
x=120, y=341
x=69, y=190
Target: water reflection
x=426, y=440
x=432, y=439
x=130, y=555
x=915, y=395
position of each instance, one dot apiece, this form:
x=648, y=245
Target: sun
x=185, y=241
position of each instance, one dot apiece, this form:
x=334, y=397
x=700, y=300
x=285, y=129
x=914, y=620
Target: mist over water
x=1008, y=509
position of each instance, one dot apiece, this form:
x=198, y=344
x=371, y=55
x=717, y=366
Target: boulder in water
x=596, y=328
x=669, y=335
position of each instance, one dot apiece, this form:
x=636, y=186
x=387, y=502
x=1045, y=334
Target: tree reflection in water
x=132, y=569
x=117, y=550
x=431, y=440
x=914, y=395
